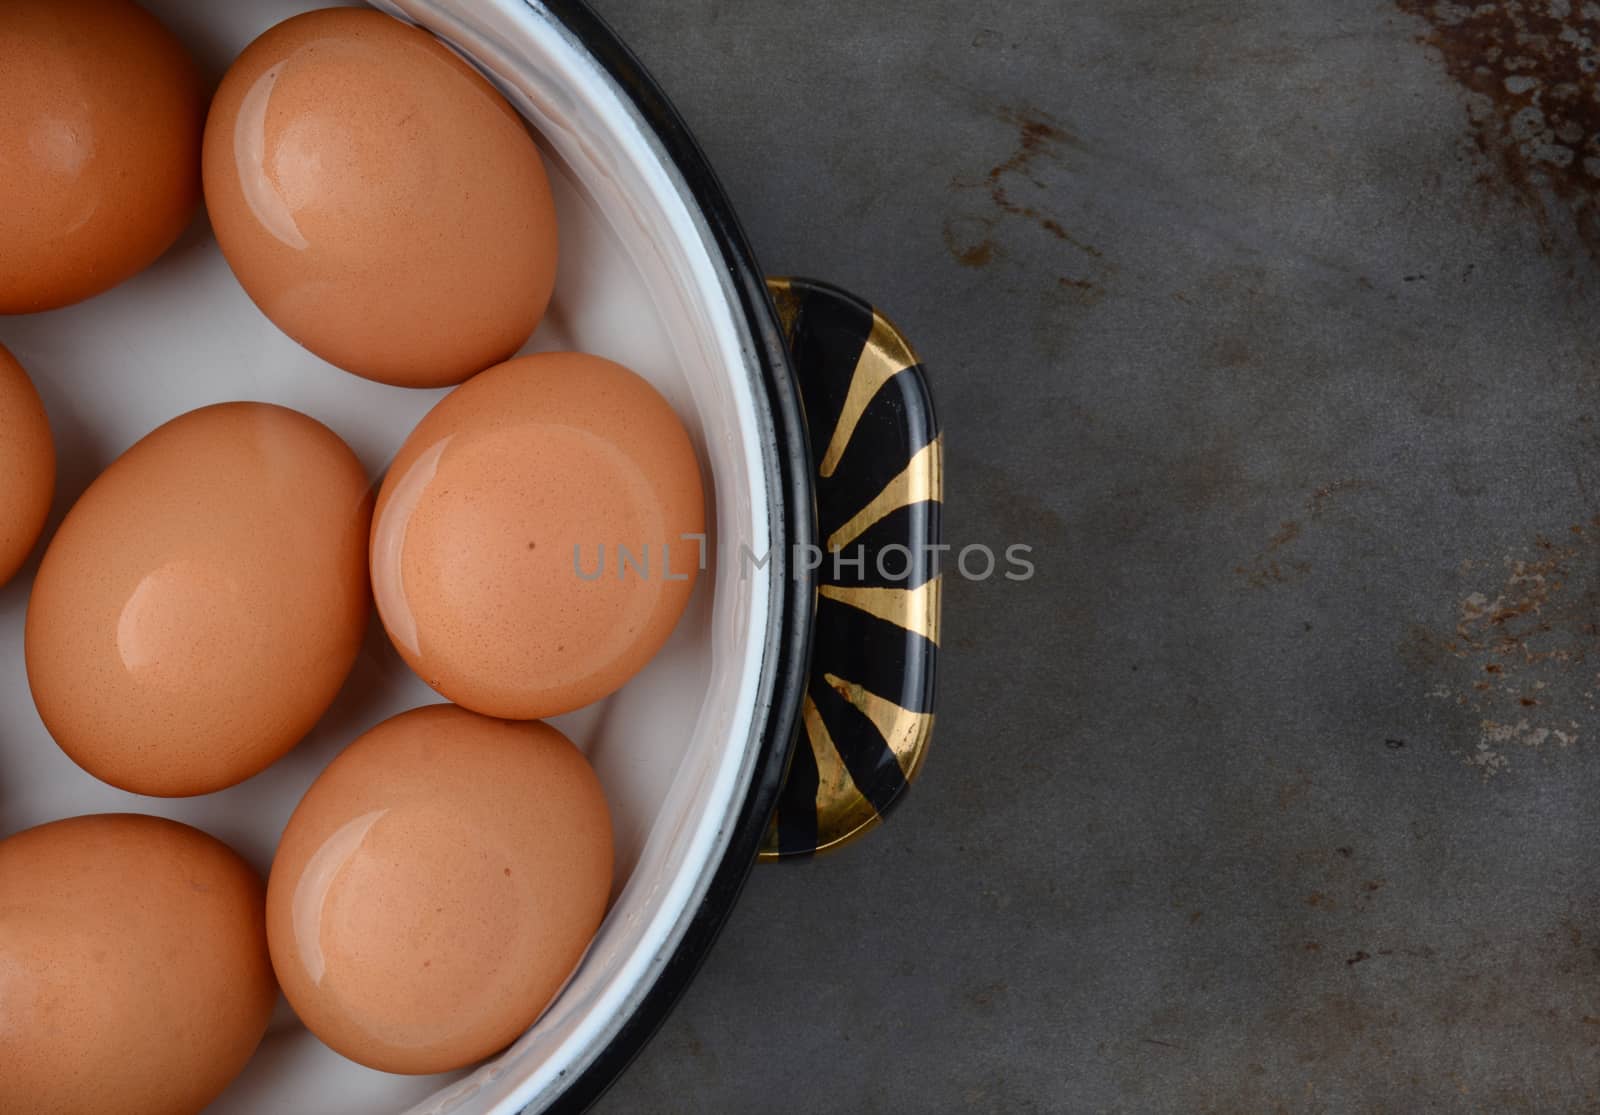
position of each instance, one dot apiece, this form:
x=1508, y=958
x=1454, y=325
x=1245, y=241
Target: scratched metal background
x=1273, y=326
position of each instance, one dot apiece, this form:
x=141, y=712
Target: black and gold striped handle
x=868, y=710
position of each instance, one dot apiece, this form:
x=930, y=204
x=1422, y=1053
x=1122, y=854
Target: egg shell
x=27, y=466
x=203, y=601
x=436, y=887
x=133, y=967
x=101, y=111
x=379, y=200
x=497, y=537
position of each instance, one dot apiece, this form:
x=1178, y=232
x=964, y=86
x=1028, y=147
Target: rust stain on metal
x=1276, y=563
x=1267, y=569
x=1287, y=533
x=1521, y=657
x=1082, y=289
x=1529, y=68
x=1037, y=137
x=1012, y=187
x=979, y=255
x=1318, y=502
x=969, y=242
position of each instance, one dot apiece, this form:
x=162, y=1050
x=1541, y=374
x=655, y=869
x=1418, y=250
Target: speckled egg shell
x=27, y=466
x=496, y=560
x=379, y=200
x=436, y=887
x=203, y=601
x=133, y=968
x=101, y=112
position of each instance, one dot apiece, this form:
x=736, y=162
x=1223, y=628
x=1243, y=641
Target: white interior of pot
x=638, y=283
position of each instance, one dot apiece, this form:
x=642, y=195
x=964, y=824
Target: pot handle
x=868, y=709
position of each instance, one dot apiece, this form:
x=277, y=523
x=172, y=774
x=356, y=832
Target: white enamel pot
x=698, y=753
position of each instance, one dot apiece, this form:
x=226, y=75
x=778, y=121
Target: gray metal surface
x=1278, y=788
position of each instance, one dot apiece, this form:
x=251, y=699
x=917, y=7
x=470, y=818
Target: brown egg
x=100, y=119
x=27, y=466
x=203, y=601
x=134, y=974
x=497, y=542
x=436, y=887
x=379, y=200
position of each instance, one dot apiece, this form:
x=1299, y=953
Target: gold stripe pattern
x=886, y=356
x=835, y=786
x=922, y=479
x=915, y=609
x=903, y=730
x=787, y=303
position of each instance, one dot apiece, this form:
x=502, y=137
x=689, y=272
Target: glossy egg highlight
x=203, y=601
x=379, y=200
x=538, y=536
x=101, y=111
x=134, y=973
x=436, y=887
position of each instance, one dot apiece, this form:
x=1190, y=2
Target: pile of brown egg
x=203, y=602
